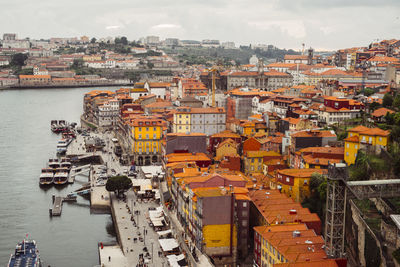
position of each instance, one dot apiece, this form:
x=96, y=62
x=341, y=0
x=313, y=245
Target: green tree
x=18, y=60
x=150, y=65
x=396, y=102
x=124, y=40
x=387, y=100
x=119, y=185
x=368, y=91
x=93, y=40
x=374, y=105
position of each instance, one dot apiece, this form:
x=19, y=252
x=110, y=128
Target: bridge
x=80, y=192
x=339, y=190
x=77, y=171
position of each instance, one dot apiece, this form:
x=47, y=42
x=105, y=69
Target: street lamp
x=144, y=235
x=152, y=252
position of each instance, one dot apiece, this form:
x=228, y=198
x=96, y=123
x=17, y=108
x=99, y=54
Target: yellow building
x=182, y=121
x=146, y=136
x=286, y=243
x=226, y=148
x=91, y=58
x=371, y=139
x=295, y=182
x=253, y=160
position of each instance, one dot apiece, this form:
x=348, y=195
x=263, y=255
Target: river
x=26, y=144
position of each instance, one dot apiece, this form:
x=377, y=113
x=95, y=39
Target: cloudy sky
x=322, y=24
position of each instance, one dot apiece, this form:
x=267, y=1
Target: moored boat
x=54, y=164
x=54, y=125
x=26, y=254
x=46, y=176
x=65, y=163
x=61, y=176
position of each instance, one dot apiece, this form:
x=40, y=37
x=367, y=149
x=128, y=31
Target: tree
x=93, y=40
x=150, y=65
x=18, y=60
x=118, y=184
x=396, y=102
x=374, y=105
x=124, y=40
x=368, y=91
x=387, y=100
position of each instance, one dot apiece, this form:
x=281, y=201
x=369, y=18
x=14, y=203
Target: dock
x=57, y=206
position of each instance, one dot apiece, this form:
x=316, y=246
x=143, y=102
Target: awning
x=164, y=233
x=177, y=260
x=168, y=244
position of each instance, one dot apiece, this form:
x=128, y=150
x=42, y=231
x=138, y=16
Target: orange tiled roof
x=380, y=112
x=301, y=173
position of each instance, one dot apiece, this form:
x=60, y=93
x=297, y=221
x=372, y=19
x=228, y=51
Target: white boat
x=46, y=176
x=62, y=145
x=61, y=176
x=65, y=163
x=54, y=164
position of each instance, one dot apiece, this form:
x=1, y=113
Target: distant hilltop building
x=228, y=45
x=10, y=41
x=210, y=43
x=9, y=36
x=152, y=40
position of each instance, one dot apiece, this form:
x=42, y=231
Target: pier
x=57, y=206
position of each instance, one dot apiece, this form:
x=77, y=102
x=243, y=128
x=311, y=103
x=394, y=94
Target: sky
x=321, y=24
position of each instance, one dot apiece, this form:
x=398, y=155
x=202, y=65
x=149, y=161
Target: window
x=147, y=136
x=244, y=213
x=348, y=145
x=287, y=179
x=244, y=223
x=187, y=116
x=147, y=128
x=380, y=139
x=356, y=146
x=154, y=129
x=180, y=127
x=347, y=153
x=140, y=136
x=244, y=204
x=180, y=116
x=154, y=136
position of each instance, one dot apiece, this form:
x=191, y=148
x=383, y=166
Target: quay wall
x=115, y=221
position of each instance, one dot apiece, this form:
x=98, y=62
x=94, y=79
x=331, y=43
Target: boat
x=65, y=163
x=61, y=176
x=54, y=164
x=26, y=254
x=62, y=125
x=54, y=125
x=46, y=176
x=62, y=145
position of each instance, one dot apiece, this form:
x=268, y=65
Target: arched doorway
x=140, y=161
x=147, y=160
x=154, y=159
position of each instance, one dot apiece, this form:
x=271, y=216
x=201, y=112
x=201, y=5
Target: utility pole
x=144, y=235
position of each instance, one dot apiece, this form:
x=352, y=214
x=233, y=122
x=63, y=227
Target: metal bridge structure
x=79, y=170
x=339, y=191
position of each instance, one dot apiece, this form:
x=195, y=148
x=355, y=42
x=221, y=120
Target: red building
x=339, y=103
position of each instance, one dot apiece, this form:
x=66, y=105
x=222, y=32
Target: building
x=318, y=157
x=34, y=80
x=226, y=148
x=199, y=120
x=361, y=137
x=270, y=207
x=253, y=160
x=264, y=80
x=185, y=143
x=146, y=137
x=108, y=113
x=295, y=182
x=309, y=138
x=289, y=244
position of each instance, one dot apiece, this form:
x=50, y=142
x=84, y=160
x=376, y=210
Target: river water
x=26, y=144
